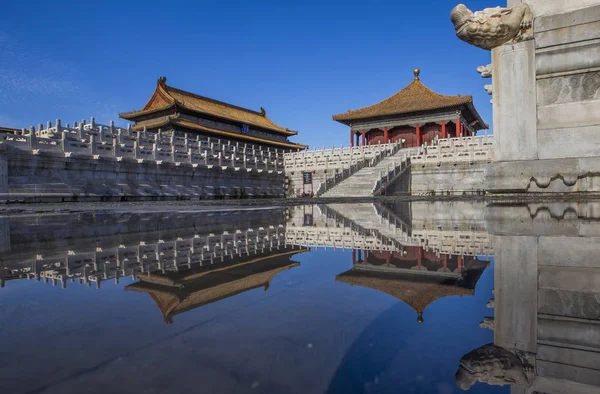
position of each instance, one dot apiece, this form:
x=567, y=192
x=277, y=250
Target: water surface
x=308, y=299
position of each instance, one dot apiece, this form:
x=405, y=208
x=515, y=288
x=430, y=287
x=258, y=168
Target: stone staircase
x=361, y=183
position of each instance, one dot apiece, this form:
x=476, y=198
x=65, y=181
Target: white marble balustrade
x=95, y=266
x=96, y=140
x=334, y=158
x=455, y=150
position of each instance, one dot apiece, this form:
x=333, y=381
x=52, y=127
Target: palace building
x=414, y=116
x=170, y=109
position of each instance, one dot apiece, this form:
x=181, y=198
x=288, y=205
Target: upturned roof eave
x=348, y=121
x=173, y=121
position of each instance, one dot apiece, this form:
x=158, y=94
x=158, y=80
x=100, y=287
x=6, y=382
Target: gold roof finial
x=417, y=72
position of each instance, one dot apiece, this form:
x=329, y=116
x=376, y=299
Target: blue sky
x=301, y=61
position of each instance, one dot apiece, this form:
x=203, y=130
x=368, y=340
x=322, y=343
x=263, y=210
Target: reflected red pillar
x=385, y=135
x=418, y=130
x=353, y=256
x=458, y=127
x=363, y=138
x=444, y=133
x=351, y=138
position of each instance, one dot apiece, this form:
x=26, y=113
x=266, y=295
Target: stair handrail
x=349, y=171
x=389, y=177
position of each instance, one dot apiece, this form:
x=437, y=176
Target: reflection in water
x=180, y=291
x=414, y=276
x=400, y=264
x=547, y=301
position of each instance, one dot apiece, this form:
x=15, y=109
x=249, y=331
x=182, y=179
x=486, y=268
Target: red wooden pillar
x=444, y=133
x=351, y=138
x=458, y=127
x=363, y=138
x=385, y=135
x=460, y=264
x=387, y=259
x=445, y=263
x=418, y=130
x=353, y=256
x=420, y=258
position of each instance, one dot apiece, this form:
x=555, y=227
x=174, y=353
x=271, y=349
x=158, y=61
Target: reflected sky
x=273, y=319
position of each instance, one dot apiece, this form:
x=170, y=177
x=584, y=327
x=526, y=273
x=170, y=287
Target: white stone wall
x=454, y=180
x=547, y=103
x=93, y=161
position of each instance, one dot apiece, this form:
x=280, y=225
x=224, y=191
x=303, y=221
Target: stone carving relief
x=485, y=71
x=493, y=27
x=488, y=322
x=495, y=366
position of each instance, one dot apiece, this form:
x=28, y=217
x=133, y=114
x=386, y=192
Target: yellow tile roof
x=178, y=121
x=417, y=295
x=413, y=98
x=166, y=96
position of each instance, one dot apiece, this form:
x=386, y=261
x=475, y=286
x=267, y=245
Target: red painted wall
x=430, y=131
x=375, y=136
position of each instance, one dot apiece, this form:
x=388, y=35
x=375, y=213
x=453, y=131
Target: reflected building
x=179, y=291
x=414, y=276
x=398, y=249
x=547, y=301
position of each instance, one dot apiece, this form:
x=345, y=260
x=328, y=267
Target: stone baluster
x=173, y=158
x=59, y=127
x=32, y=138
x=81, y=132
x=154, y=151
x=93, y=122
x=220, y=158
x=63, y=142
x=115, y=144
x=136, y=150
x=244, y=165
x=92, y=144
x=205, y=157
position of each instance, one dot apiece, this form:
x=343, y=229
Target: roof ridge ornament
x=263, y=112
x=416, y=71
x=162, y=81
